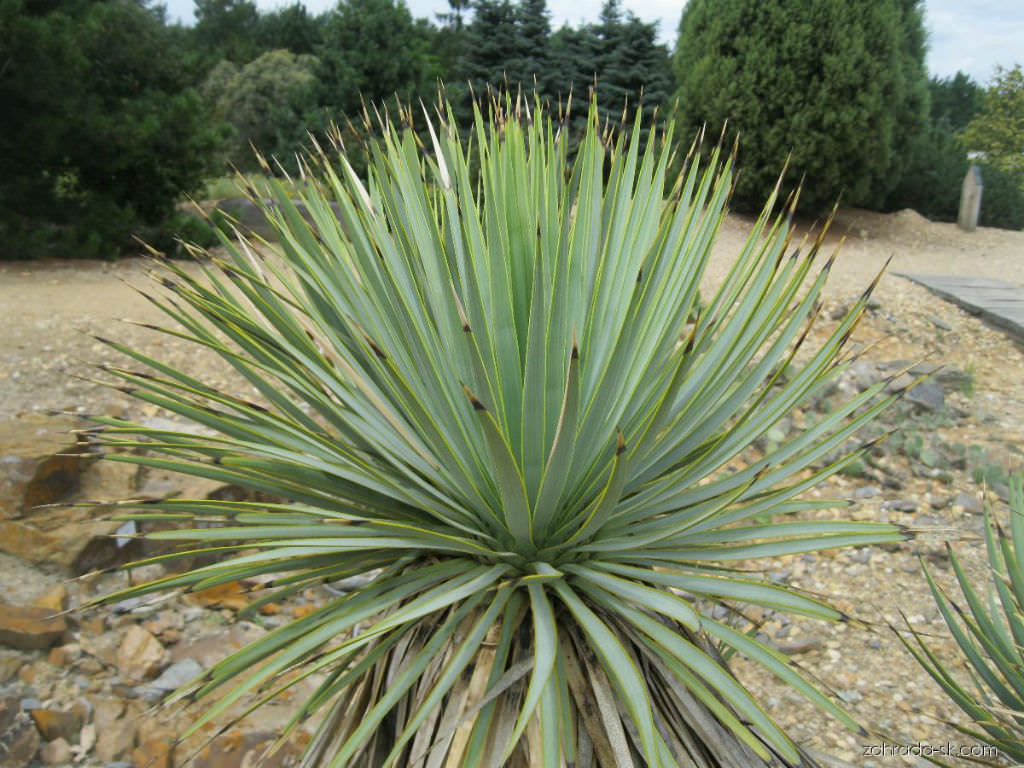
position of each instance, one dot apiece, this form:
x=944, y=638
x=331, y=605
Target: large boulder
x=79, y=539
x=40, y=462
x=29, y=628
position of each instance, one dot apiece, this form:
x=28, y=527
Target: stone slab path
x=995, y=301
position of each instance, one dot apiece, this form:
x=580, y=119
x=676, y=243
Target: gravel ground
x=52, y=309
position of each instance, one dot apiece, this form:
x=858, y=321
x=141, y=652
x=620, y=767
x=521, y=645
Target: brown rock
x=19, y=739
x=24, y=541
x=231, y=594
x=64, y=655
x=156, y=750
x=93, y=625
x=115, y=741
x=40, y=462
x=57, y=752
x=10, y=663
x=68, y=537
x=89, y=666
x=55, y=598
x=212, y=648
x=29, y=628
x=803, y=644
x=140, y=656
x=106, y=712
x=242, y=749
x=54, y=724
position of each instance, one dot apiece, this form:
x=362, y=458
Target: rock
x=231, y=594
x=19, y=739
x=54, y=599
x=867, y=492
x=106, y=711
x=40, y=462
x=86, y=741
x=939, y=323
x=115, y=730
x=218, y=644
x=172, y=678
x=140, y=656
x=863, y=374
x=969, y=502
x=29, y=628
x=10, y=663
x=64, y=655
x=116, y=741
x=10, y=707
x=55, y=724
x=802, y=644
x=928, y=394
x=901, y=505
x=57, y=752
x=76, y=538
x=241, y=749
x=156, y=750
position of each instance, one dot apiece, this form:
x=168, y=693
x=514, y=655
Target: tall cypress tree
x=838, y=83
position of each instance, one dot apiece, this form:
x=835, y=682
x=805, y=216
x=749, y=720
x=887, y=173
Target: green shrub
x=1002, y=199
x=836, y=86
x=100, y=134
x=484, y=393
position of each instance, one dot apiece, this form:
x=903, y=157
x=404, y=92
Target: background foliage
x=840, y=85
x=101, y=129
x=113, y=115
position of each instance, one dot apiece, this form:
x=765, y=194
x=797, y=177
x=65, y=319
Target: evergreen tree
x=954, y=101
x=572, y=61
x=534, y=32
x=619, y=55
x=291, y=28
x=228, y=29
x=450, y=41
x=493, y=46
x=373, y=51
x=634, y=70
x=100, y=133
x=838, y=83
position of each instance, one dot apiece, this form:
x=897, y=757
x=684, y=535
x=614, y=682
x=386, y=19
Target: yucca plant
x=990, y=634
x=484, y=390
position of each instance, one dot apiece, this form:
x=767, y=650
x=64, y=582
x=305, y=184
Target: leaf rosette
x=489, y=387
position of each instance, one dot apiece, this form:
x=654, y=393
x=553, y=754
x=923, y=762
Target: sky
x=968, y=35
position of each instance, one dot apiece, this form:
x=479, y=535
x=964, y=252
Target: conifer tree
x=532, y=64
x=838, y=86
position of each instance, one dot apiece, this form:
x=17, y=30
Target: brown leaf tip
x=477, y=405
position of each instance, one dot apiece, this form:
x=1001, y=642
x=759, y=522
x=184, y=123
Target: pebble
x=969, y=502
x=901, y=505
x=867, y=492
x=804, y=644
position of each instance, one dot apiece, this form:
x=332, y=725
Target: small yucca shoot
x=990, y=634
x=485, y=388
